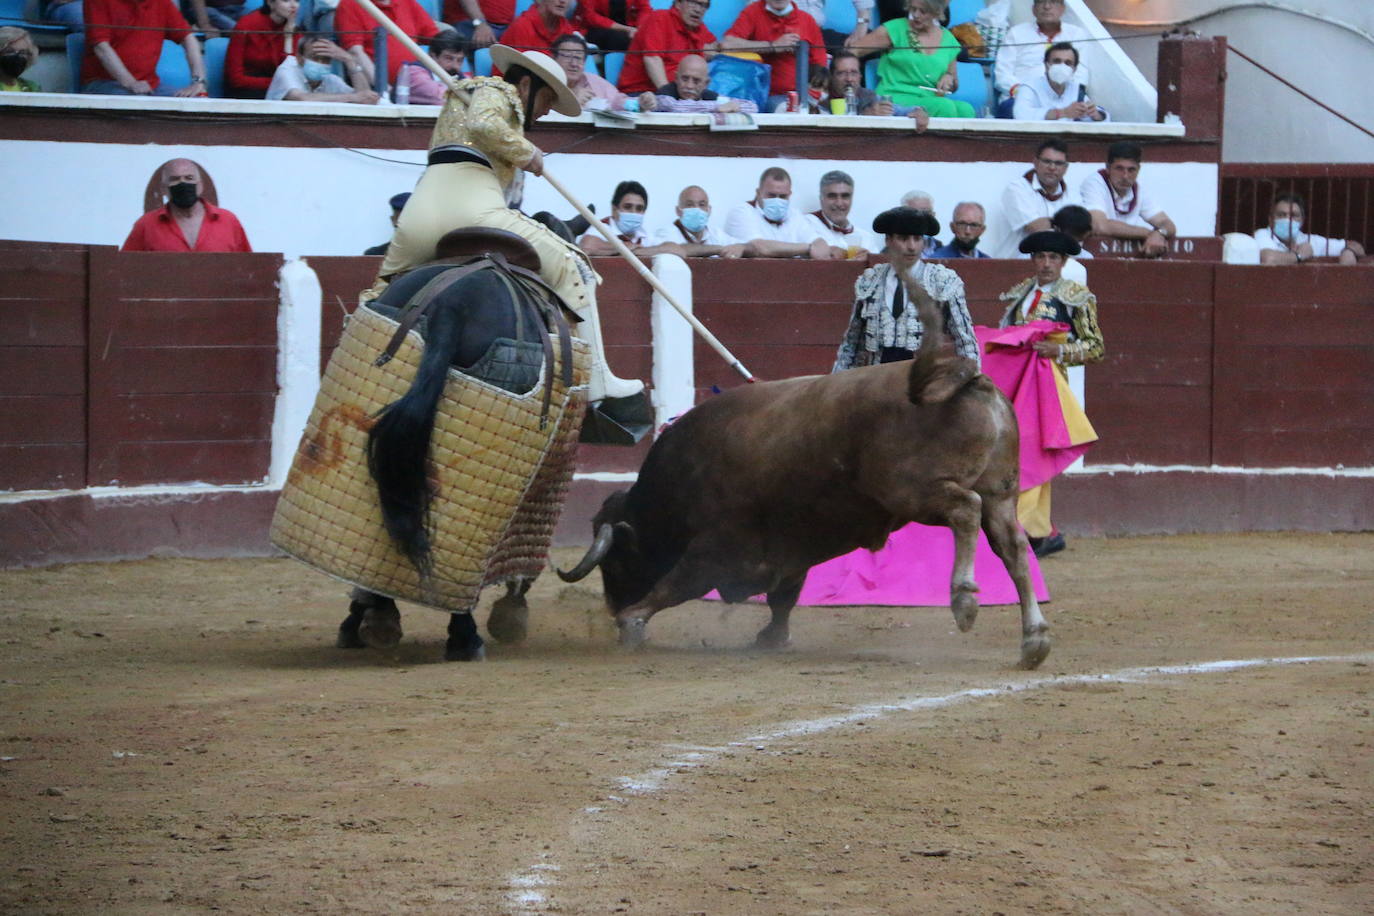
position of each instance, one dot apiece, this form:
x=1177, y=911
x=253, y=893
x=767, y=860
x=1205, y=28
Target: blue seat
x=173, y=72
x=611, y=64
x=722, y=15
x=661, y=4
x=973, y=86
x=964, y=10
x=871, y=73
x=521, y=6
x=840, y=16
x=214, y=50
x=433, y=7
x=481, y=62
x=76, y=50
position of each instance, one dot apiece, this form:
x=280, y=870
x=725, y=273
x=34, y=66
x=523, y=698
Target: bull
x=749, y=490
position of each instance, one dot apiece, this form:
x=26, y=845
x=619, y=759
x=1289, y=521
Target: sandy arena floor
x=181, y=736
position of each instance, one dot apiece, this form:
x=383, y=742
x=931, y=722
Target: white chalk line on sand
x=527, y=886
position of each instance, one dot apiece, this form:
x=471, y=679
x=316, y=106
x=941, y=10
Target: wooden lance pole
x=423, y=57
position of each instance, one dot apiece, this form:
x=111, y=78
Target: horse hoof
x=1034, y=649
x=632, y=633
x=509, y=620
x=464, y=652
x=964, y=604
x=770, y=640
x=381, y=627
x=348, y=633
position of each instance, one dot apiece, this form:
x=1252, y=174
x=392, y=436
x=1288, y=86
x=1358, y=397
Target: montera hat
x=503, y=57
x=906, y=221
x=1050, y=241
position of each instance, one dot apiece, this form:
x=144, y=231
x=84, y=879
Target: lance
x=433, y=66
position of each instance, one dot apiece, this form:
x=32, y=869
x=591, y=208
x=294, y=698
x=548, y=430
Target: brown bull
x=749, y=490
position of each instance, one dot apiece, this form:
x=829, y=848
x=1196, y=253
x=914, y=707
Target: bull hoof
x=348, y=631
x=964, y=604
x=509, y=620
x=381, y=627
x=632, y=633
x=771, y=639
x=1035, y=647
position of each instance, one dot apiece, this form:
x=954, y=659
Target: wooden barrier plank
x=191, y=370
x=35, y=272
x=43, y=321
x=192, y=417
x=42, y=370
x=171, y=277
x=215, y=462
x=217, y=322
x=43, y=419
x=50, y=466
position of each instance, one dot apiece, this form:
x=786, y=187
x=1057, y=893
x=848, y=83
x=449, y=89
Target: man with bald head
x=689, y=93
x=186, y=222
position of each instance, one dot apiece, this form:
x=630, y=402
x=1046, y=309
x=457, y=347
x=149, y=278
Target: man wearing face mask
x=1057, y=95
x=186, y=222
x=628, y=205
x=770, y=216
x=1284, y=242
x=772, y=29
x=308, y=76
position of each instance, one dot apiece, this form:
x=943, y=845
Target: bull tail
x=398, y=445
x=936, y=375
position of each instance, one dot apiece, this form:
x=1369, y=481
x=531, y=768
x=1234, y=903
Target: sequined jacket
x=873, y=327
x=485, y=115
x=1068, y=302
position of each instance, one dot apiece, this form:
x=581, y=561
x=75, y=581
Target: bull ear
x=595, y=554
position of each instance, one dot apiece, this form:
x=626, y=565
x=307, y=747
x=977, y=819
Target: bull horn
x=595, y=554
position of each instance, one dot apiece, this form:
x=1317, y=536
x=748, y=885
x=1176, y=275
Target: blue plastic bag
x=741, y=79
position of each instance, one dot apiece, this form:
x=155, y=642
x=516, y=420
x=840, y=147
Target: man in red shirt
x=355, y=29
x=595, y=19
x=772, y=28
x=186, y=223
x=480, y=22
x=537, y=27
x=124, y=41
x=664, y=38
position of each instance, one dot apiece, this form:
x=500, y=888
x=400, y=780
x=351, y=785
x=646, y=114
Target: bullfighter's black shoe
x=1043, y=547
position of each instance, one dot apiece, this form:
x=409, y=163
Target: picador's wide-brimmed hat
x=906, y=221
x=1050, y=241
x=546, y=68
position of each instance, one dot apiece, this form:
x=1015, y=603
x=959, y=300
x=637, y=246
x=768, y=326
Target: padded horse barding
x=500, y=475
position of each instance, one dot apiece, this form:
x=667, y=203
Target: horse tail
x=935, y=376
x=398, y=444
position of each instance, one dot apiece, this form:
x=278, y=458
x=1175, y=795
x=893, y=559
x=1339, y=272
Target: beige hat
x=544, y=67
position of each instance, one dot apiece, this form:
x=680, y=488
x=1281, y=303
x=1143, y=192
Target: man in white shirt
x=1121, y=208
x=770, y=216
x=1021, y=56
x=628, y=204
x=1057, y=95
x=693, y=228
x=1284, y=242
x=307, y=76
x=832, y=223
x=1030, y=200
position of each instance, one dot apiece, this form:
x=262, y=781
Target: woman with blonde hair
x=17, y=54
x=917, y=68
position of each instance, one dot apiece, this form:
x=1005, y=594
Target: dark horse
x=487, y=327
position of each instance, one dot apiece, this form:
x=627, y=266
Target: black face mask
x=184, y=195
x=963, y=245
x=12, y=63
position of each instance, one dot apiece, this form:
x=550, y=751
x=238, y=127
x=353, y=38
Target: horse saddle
x=479, y=241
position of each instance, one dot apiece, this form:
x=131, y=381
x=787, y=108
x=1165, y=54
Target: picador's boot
x=604, y=383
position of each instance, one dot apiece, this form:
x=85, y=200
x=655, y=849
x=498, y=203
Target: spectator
x=591, y=90
x=921, y=200
x=832, y=223
x=398, y=203
x=536, y=28
x=261, y=40
x=770, y=216
x=688, y=92
x=1284, y=242
x=213, y=16
x=17, y=54
x=884, y=327
x=1120, y=207
x=692, y=229
x=628, y=205
x=610, y=24
x=1077, y=223
x=918, y=62
x=1029, y=200
x=124, y=42
x=772, y=29
x=969, y=222
x=355, y=28
x=308, y=76
x=1047, y=295
x=664, y=38
x=480, y=22
x=448, y=50
x=1056, y=94
x=64, y=12
x=1020, y=59
x=846, y=75
x=186, y=222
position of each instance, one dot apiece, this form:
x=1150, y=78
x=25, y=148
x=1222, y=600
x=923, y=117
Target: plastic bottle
x=403, y=85
x=851, y=101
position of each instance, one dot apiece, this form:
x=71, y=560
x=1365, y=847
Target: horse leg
x=464, y=643
x=510, y=614
x=348, y=630
x=1008, y=540
x=373, y=621
x=781, y=600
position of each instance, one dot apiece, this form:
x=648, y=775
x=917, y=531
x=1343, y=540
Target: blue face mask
x=629, y=223
x=1286, y=228
x=315, y=71
x=694, y=219
x=775, y=209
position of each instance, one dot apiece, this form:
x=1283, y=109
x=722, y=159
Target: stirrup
x=618, y=421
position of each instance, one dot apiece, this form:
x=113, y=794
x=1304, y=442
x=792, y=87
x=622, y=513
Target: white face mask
x=1060, y=73
x=785, y=11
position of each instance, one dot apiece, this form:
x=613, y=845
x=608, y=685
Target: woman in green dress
x=917, y=68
